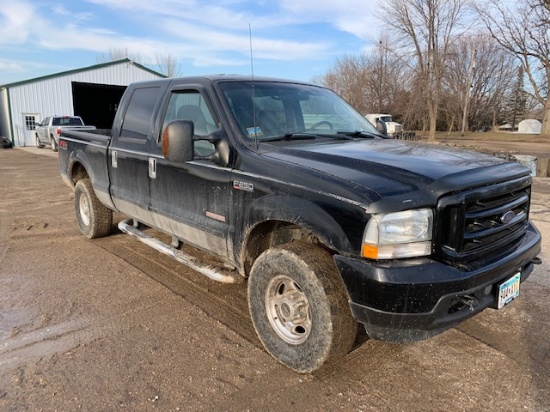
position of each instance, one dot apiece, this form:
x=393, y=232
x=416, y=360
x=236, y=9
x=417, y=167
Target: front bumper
x=410, y=300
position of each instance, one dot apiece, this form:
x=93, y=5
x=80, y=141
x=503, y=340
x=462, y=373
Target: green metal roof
x=84, y=69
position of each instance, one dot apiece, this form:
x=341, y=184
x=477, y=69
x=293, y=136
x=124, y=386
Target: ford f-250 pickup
x=331, y=224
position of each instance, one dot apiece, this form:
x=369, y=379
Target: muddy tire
x=94, y=219
x=38, y=144
x=299, y=306
x=54, y=144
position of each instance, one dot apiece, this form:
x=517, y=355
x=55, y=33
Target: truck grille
x=482, y=223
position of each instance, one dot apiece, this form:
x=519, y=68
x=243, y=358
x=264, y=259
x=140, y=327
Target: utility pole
x=468, y=89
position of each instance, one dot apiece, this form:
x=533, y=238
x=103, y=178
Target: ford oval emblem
x=508, y=217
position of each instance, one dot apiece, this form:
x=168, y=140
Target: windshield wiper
x=359, y=133
x=290, y=136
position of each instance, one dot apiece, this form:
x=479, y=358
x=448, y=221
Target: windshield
x=266, y=110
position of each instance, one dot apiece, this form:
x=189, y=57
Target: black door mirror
x=177, y=141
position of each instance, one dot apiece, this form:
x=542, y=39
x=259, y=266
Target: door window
x=30, y=122
x=137, y=120
x=191, y=105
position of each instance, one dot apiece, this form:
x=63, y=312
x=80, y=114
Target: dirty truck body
x=331, y=224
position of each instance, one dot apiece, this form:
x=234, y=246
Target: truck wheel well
x=272, y=233
x=78, y=172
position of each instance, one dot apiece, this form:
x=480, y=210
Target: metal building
x=91, y=92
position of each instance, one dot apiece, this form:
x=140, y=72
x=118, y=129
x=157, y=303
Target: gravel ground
x=109, y=324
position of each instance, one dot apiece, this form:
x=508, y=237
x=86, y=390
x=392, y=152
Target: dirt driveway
x=109, y=324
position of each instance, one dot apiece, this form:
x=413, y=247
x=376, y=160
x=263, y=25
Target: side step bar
x=126, y=227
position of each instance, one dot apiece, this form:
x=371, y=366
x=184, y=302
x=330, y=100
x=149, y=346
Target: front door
x=30, y=120
x=192, y=200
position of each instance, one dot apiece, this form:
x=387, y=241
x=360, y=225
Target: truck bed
x=88, y=135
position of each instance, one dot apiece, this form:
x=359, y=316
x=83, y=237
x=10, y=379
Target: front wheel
x=94, y=219
x=299, y=306
x=38, y=143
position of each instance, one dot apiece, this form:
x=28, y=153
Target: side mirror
x=177, y=141
x=223, y=150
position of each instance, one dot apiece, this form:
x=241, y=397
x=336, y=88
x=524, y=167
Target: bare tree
x=426, y=29
x=118, y=53
x=167, y=64
x=386, y=80
x=523, y=30
x=488, y=88
x=370, y=82
x=348, y=78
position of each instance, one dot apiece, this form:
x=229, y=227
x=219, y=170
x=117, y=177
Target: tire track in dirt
x=225, y=303
x=6, y=220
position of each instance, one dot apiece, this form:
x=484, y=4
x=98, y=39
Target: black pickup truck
x=331, y=224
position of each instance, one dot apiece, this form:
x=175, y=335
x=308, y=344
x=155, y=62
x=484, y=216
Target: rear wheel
x=54, y=144
x=299, y=306
x=94, y=219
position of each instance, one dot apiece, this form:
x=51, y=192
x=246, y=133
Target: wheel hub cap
x=288, y=310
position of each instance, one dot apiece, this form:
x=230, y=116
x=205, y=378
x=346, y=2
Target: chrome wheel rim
x=84, y=207
x=288, y=310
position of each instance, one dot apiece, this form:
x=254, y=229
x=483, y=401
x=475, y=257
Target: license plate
x=508, y=290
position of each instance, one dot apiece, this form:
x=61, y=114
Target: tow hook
x=468, y=301
x=536, y=260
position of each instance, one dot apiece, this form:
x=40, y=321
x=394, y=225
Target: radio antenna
x=253, y=91
x=251, y=57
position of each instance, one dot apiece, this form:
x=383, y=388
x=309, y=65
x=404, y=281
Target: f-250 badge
x=247, y=187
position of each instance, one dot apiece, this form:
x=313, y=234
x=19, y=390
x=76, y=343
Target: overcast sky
x=296, y=39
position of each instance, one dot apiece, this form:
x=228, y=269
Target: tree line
x=452, y=65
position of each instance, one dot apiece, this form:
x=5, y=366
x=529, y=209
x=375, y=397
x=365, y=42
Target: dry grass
x=488, y=136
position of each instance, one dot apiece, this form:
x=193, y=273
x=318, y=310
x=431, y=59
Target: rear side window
x=137, y=120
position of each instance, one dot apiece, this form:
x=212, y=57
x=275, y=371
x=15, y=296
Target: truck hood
x=389, y=167
x=393, y=127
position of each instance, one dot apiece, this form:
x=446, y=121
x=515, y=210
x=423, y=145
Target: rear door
x=191, y=200
x=129, y=153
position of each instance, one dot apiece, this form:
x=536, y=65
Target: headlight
x=398, y=235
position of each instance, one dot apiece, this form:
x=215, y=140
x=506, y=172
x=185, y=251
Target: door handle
x=114, y=159
x=152, y=168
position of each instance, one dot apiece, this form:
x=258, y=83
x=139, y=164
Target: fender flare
x=300, y=212
x=100, y=184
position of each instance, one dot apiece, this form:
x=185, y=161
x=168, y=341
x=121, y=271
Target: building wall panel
x=53, y=96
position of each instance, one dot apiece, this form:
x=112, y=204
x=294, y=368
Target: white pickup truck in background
x=392, y=129
x=48, y=131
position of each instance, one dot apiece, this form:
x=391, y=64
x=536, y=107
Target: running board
x=188, y=260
